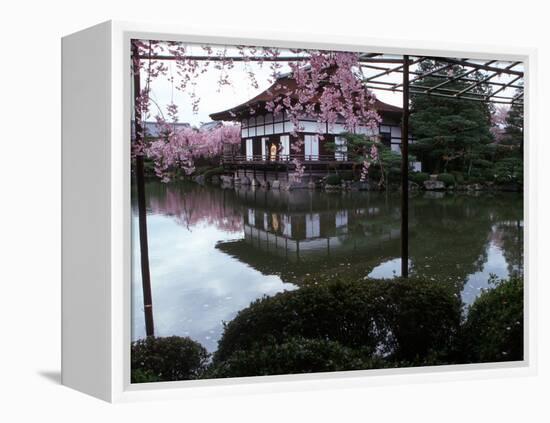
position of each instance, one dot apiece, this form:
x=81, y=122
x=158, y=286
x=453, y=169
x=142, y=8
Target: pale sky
x=214, y=99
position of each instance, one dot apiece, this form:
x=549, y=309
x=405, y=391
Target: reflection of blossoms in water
x=198, y=207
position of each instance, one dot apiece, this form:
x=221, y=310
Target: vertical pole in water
x=405, y=172
x=142, y=213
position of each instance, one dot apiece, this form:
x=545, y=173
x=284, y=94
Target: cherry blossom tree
x=328, y=88
x=178, y=148
x=499, y=118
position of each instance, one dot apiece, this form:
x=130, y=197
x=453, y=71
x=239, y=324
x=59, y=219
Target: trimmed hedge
x=333, y=179
x=347, y=175
x=399, y=319
x=447, y=178
x=347, y=325
x=166, y=359
x=493, y=330
x=459, y=177
x=508, y=171
x=419, y=177
x=294, y=355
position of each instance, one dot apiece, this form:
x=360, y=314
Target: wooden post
x=405, y=172
x=142, y=212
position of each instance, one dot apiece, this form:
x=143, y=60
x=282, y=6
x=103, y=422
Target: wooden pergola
x=502, y=83
x=488, y=81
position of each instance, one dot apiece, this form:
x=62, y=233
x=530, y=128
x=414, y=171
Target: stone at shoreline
x=199, y=179
x=359, y=186
x=329, y=187
x=413, y=186
x=226, y=179
x=474, y=187
x=434, y=185
x=295, y=185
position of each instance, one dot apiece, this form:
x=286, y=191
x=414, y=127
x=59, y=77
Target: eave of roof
x=281, y=86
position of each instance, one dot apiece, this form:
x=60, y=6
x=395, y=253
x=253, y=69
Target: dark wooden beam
x=485, y=66
x=503, y=87
x=421, y=75
x=413, y=90
x=484, y=80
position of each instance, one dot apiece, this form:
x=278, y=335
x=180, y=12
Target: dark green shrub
x=508, y=171
x=447, y=178
x=493, y=330
x=482, y=163
x=166, y=359
x=333, y=179
x=347, y=175
x=401, y=319
x=294, y=355
x=459, y=177
x=488, y=175
x=419, y=177
x=144, y=376
x=475, y=179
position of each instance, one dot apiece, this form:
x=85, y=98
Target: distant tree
x=451, y=133
x=383, y=164
x=513, y=132
x=499, y=117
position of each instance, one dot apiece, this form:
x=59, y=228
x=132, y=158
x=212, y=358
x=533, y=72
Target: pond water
x=213, y=250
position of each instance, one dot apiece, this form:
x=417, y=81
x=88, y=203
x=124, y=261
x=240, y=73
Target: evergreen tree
x=450, y=133
x=513, y=132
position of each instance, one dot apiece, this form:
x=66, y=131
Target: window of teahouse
x=311, y=147
x=341, y=151
x=249, y=153
x=285, y=147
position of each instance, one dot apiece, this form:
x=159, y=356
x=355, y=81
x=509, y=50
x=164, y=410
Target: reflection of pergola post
x=405, y=172
x=142, y=213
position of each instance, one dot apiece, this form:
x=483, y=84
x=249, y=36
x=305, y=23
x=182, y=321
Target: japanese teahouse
x=266, y=138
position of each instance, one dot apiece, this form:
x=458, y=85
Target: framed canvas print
x=271, y=212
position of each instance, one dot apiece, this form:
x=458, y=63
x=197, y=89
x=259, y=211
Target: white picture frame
x=96, y=236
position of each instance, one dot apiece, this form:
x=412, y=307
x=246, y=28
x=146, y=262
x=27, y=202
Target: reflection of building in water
x=302, y=237
x=313, y=234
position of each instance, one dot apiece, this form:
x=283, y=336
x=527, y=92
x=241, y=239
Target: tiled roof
x=282, y=86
